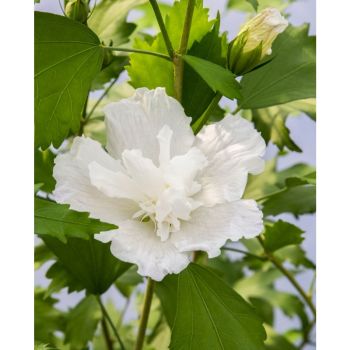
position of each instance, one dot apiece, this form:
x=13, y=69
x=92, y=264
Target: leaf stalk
x=289, y=276
x=145, y=52
x=145, y=314
x=200, y=122
x=109, y=320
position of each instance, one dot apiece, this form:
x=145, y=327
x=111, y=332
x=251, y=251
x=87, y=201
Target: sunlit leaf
x=108, y=20
x=150, y=71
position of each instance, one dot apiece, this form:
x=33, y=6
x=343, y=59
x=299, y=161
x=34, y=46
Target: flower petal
x=233, y=148
x=137, y=243
x=114, y=184
x=73, y=184
x=135, y=122
x=210, y=228
x=143, y=171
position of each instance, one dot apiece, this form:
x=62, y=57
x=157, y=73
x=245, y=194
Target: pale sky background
x=303, y=132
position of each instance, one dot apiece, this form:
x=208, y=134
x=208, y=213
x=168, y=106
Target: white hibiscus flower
x=169, y=192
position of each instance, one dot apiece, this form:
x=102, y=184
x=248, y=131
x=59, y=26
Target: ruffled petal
x=73, y=185
x=210, y=228
x=233, y=148
x=135, y=122
x=114, y=184
x=137, y=243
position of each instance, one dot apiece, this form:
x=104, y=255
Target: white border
x=333, y=164
x=333, y=161
x=16, y=194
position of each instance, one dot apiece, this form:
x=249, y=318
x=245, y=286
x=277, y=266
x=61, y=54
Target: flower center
x=165, y=192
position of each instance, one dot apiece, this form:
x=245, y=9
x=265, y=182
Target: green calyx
x=240, y=62
x=78, y=10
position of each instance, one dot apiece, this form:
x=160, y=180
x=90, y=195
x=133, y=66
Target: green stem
x=178, y=61
x=109, y=342
x=145, y=52
x=145, y=314
x=105, y=314
x=289, y=276
x=307, y=334
x=244, y=252
x=99, y=100
x=83, y=116
x=200, y=122
x=312, y=286
x=162, y=28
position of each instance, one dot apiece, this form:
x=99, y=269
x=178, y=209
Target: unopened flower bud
x=254, y=41
x=78, y=10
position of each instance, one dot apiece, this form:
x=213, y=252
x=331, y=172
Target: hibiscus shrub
x=155, y=207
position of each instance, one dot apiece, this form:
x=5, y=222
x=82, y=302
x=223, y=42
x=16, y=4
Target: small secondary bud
x=78, y=10
x=254, y=41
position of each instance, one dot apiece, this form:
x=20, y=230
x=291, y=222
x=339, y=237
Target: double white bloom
x=169, y=192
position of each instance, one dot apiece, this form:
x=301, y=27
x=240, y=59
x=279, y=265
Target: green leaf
x=228, y=270
x=59, y=221
x=258, y=283
x=254, y=3
x=68, y=56
x=263, y=308
x=47, y=319
x=296, y=255
x=128, y=280
x=210, y=315
x=41, y=255
x=43, y=165
x=272, y=181
x=148, y=19
x=297, y=200
x=272, y=126
x=40, y=346
x=197, y=94
x=61, y=278
x=282, y=234
x=218, y=78
x=290, y=304
x=167, y=293
x=82, y=322
x=89, y=261
x=277, y=342
x=108, y=20
x=261, y=285
x=295, y=108
x=246, y=5
x=111, y=71
x=141, y=65
x=289, y=76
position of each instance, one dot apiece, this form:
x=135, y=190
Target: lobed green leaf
x=68, y=55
